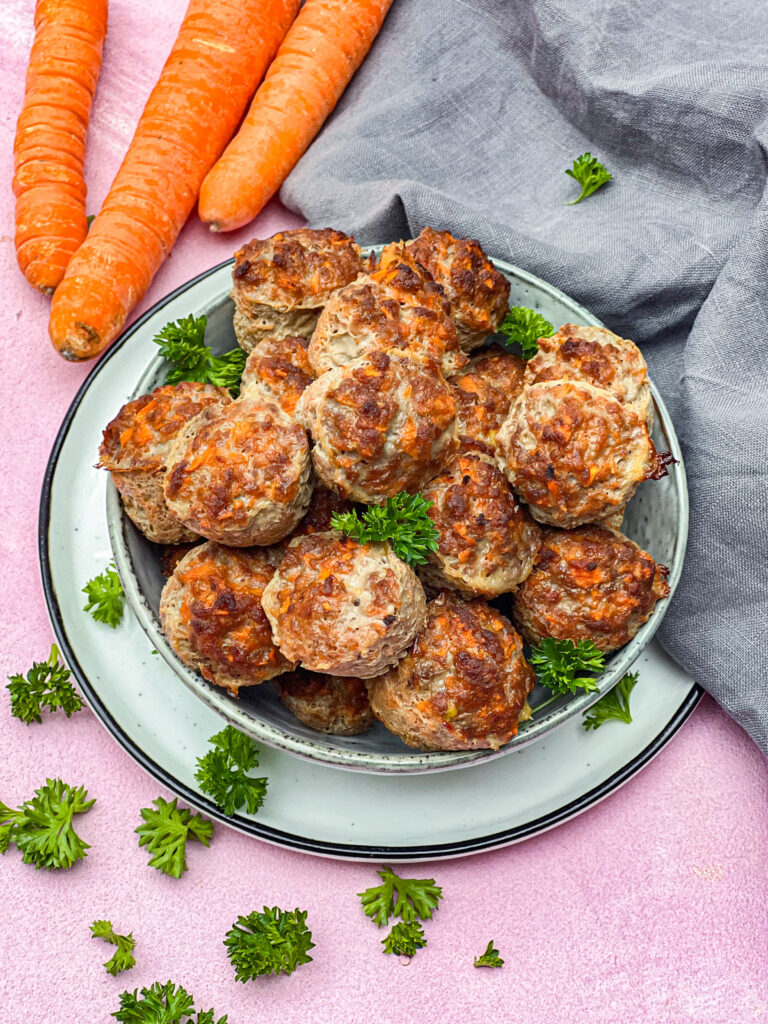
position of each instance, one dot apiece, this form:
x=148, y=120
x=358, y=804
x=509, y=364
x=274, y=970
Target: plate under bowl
x=656, y=518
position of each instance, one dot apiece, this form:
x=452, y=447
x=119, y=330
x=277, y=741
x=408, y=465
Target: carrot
x=49, y=149
x=325, y=46
x=222, y=50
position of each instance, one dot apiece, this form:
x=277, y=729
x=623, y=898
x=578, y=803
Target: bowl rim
x=322, y=748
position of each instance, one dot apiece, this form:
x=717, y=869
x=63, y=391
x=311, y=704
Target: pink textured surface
x=650, y=908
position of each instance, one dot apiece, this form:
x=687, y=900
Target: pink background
x=648, y=909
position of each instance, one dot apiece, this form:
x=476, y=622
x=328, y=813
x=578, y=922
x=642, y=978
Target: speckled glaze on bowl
x=657, y=519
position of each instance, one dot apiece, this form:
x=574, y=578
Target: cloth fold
x=466, y=114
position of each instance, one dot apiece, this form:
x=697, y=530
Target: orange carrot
x=49, y=149
x=325, y=46
x=222, y=51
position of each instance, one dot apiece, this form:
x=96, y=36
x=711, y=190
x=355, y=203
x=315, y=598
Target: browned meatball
x=240, y=476
x=280, y=284
x=597, y=356
x=477, y=291
x=381, y=425
x=396, y=308
x=136, y=446
x=574, y=453
x=487, y=540
x=331, y=704
x=212, y=616
x=278, y=370
x=485, y=390
x=344, y=608
x=462, y=685
x=589, y=584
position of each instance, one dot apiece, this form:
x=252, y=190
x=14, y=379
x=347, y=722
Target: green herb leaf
x=162, y=1004
x=566, y=667
x=182, y=343
x=274, y=941
x=42, y=827
x=406, y=898
x=90, y=219
x=165, y=832
x=490, y=958
x=590, y=174
x=223, y=772
x=106, y=597
x=403, y=522
x=47, y=684
x=123, y=959
x=405, y=939
x=614, y=706
x=524, y=327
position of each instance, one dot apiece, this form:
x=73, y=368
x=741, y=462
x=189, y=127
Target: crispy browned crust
x=589, y=584
x=212, y=616
x=278, y=369
x=487, y=541
x=331, y=704
x=463, y=683
x=485, y=390
x=407, y=280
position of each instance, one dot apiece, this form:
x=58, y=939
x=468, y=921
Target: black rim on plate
x=352, y=851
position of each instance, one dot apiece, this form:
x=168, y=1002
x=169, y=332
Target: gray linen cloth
x=466, y=114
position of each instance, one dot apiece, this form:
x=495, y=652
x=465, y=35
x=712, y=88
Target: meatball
x=135, y=449
x=597, y=356
x=280, y=284
x=485, y=390
x=211, y=614
x=477, y=291
x=344, y=608
x=574, y=453
x=322, y=506
x=278, y=370
x=381, y=425
x=240, y=475
x=487, y=541
x=463, y=683
x=332, y=704
x=397, y=307
x=590, y=583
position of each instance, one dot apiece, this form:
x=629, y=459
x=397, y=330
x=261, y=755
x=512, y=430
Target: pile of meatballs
x=359, y=384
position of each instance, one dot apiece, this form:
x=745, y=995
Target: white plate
x=309, y=806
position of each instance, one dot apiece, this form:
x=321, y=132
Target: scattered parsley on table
x=123, y=958
x=403, y=522
x=182, y=344
x=490, y=958
x=590, y=174
x=614, y=706
x=274, y=941
x=165, y=832
x=406, y=898
x=405, y=939
x=106, y=597
x=42, y=829
x=162, y=1004
x=524, y=327
x=223, y=772
x=47, y=684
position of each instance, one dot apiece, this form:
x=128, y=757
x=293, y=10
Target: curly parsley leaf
x=182, y=343
x=223, y=772
x=403, y=522
x=405, y=939
x=42, y=827
x=490, y=958
x=47, y=684
x=567, y=667
x=614, y=706
x=590, y=174
x=165, y=832
x=524, y=327
x=274, y=941
x=406, y=898
x=123, y=959
x=162, y=1004
x=106, y=597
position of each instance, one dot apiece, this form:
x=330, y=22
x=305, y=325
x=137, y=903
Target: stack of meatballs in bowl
x=361, y=384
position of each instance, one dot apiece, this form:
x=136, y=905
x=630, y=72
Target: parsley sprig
x=223, y=772
x=165, y=832
x=524, y=327
x=47, y=684
x=566, y=667
x=42, y=827
x=406, y=898
x=405, y=939
x=613, y=706
x=590, y=174
x=274, y=941
x=162, y=1004
x=402, y=521
x=182, y=343
x=490, y=958
x=123, y=958
x=106, y=597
